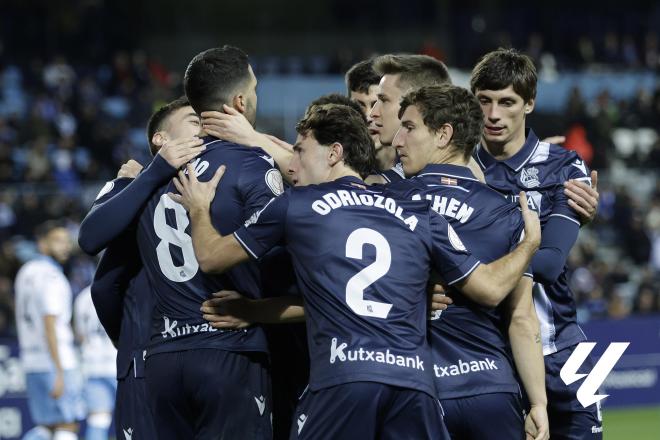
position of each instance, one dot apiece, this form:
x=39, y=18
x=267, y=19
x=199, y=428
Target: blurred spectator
x=646, y=301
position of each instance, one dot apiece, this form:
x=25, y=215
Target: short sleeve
x=259, y=182
x=53, y=287
x=450, y=257
x=575, y=169
x=266, y=228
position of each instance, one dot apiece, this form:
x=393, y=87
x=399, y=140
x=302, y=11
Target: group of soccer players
x=407, y=243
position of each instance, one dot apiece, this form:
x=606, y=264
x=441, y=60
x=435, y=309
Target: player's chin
x=494, y=136
x=408, y=168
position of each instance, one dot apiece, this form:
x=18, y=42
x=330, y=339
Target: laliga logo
x=586, y=394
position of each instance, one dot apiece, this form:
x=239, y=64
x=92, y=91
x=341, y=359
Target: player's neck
x=449, y=156
x=340, y=170
x=505, y=150
x=386, y=157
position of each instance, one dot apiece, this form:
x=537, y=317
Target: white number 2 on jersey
x=177, y=237
x=370, y=274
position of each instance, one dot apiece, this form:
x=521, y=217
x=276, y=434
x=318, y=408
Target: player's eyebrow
x=192, y=114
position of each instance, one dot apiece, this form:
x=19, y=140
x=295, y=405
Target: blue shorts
x=100, y=394
x=132, y=411
x=45, y=410
x=495, y=416
x=210, y=394
x=368, y=410
x=569, y=420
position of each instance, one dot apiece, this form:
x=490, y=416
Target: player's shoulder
x=112, y=188
x=413, y=182
x=485, y=193
x=41, y=265
x=558, y=161
x=39, y=270
x=553, y=155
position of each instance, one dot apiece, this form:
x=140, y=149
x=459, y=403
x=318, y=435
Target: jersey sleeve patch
x=274, y=181
x=106, y=189
x=455, y=240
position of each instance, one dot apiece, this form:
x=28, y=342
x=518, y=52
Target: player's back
x=470, y=350
x=168, y=255
x=42, y=289
x=362, y=261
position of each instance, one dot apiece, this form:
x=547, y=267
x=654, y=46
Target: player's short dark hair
x=361, y=76
x=332, y=123
x=336, y=98
x=415, y=70
x=157, y=120
x=42, y=230
x=213, y=77
x=448, y=104
x=502, y=68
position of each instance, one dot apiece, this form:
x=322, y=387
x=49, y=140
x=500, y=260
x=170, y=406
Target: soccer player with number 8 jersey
x=205, y=383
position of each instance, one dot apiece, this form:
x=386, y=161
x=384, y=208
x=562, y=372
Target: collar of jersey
x=515, y=162
x=351, y=179
x=210, y=140
x=448, y=170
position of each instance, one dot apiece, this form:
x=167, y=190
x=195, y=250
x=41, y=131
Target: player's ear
x=335, y=153
x=239, y=103
x=529, y=106
x=444, y=134
x=159, y=138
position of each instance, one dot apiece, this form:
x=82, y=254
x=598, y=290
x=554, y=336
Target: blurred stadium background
x=79, y=79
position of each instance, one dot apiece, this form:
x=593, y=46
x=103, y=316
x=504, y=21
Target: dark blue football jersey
x=163, y=235
x=394, y=174
x=362, y=263
x=137, y=301
x=471, y=353
x=540, y=169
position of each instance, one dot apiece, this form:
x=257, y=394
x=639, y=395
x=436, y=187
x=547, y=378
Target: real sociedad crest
x=530, y=177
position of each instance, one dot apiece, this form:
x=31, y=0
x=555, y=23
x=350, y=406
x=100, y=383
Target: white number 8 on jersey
x=177, y=237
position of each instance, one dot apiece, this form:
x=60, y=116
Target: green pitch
x=637, y=423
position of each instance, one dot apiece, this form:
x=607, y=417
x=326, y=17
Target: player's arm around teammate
x=234, y=127
x=169, y=158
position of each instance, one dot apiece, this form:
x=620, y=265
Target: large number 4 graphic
x=177, y=237
x=370, y=274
